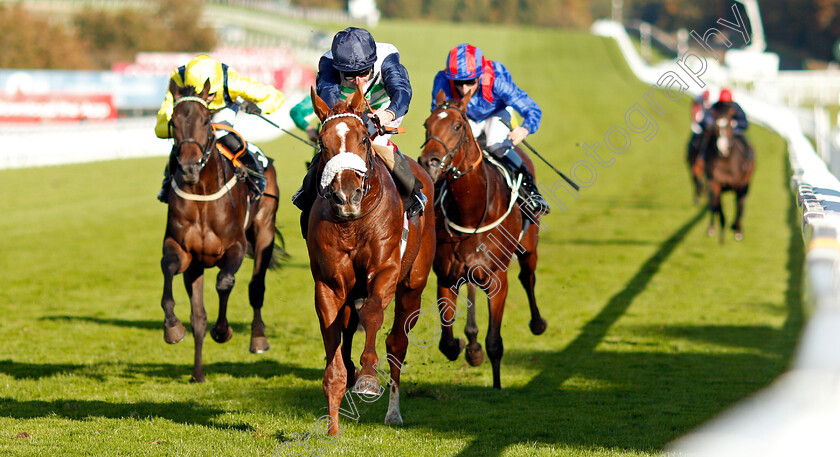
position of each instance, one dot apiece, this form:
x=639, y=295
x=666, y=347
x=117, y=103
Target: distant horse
x=354, y=241
x=696, y=163
x=729, y=164
x=211, y=223
x=479, y=228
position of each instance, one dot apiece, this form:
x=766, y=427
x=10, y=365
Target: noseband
x=328, y=193
x=446, y=165
x=207, y=148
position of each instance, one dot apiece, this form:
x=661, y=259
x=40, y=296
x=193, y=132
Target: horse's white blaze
x=393, y=416
x=723, y=145
x=342, y=130
x=442, y=115
x=721, y=122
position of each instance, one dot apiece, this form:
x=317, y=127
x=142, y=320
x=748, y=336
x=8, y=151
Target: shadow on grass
x=265, y=369
x=188, y=413
x=141, y=324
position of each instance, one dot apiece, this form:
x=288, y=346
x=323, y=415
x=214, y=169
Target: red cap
x=725, y=95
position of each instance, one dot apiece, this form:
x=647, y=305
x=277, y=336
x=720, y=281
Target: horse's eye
x=457, y=127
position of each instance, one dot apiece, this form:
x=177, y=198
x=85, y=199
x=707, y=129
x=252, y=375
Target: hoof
x=174, y=334
x=538, y=327
x=711, y=231
x=394, y=418
x=367, y=385
x=259, y=344
x=221, y=336
x=475, y=355
x=452, y=351
x=739, y=236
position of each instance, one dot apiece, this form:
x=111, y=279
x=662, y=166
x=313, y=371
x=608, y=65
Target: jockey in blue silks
x=356, y=60
x=493, y=91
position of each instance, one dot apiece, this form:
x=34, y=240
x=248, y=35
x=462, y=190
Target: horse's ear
x=356, y=101
x=205, y=92
x=440, y=97
x=465, y=100
x=319, y=105
x=173, y=89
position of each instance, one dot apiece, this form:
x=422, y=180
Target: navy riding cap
x=353, y=49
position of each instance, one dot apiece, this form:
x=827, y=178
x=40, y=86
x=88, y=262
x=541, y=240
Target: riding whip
x=307, y=142
x=568, y=180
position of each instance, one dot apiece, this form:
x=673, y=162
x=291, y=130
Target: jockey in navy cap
x=493, y=91
x=356, y=60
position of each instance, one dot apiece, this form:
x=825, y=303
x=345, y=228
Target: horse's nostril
x=357, y=196
x=337, y=199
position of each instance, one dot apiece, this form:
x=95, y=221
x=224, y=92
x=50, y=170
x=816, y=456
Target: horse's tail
x=279, y=255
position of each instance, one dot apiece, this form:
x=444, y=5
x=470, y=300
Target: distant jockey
x=723, y=105
x=356, y=60
x=493, y=91
x=232, y=91
x=698, y=111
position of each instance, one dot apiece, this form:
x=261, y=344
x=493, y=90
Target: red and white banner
x=56, y=107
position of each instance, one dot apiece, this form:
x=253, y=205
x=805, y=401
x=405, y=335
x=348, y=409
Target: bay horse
x=729, y=164
x=211, y=222
x=354, y=242
x=479, y=228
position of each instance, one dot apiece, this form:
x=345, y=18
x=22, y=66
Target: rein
x=206, y=150
x=463, y=140
x=369, y=165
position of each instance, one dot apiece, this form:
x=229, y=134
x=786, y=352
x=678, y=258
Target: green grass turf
x=653, y=327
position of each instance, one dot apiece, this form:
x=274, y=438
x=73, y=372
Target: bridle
x=446, y=164
x=207, y=148
x=366, y=178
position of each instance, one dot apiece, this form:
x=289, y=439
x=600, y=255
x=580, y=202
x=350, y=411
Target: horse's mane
x=187, y=91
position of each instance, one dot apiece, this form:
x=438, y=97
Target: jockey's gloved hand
x=250, y=107
x=370, y=123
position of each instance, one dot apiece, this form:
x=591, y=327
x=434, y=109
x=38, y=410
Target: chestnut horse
x=696, y=163
x=211, y=223
x=479, y=228
x=729, y=167
x=354, y=241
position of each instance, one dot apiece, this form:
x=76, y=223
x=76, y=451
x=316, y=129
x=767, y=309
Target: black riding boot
x=252, y=159
x=414, y=201
x=508, y=157
x=305, y=197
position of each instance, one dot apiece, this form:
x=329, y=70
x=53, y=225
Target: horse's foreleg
x=450, y=346
x=714, y=206
x=474, y=353
x=528, y=265
x=327, y=305
x=194, y=282
x=493, y=341
x=381, y=288
x=263, y=251
x=173, y=262
x=226, y=279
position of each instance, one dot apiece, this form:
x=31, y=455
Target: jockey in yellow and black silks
x=232, y=92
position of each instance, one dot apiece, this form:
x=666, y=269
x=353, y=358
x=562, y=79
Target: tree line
x=97, y=38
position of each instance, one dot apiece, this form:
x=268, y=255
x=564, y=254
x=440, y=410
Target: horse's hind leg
x=263, y=251
x=194, y=282
x=474, y=353
x=221, y=332
x=173, y=262
x=350, y=322
x=450, y=346
x=528, y=265
x=407, y=304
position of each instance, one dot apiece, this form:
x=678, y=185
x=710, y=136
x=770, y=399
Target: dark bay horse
x=729, y=164
x=354, y=242
x=211, y=222
x=475, y=241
